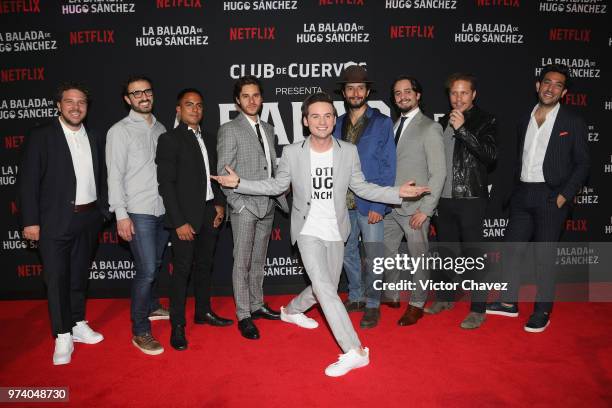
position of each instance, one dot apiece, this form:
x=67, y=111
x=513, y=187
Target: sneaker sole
x=153, y=318
x=148, y=352
x=346, y=372
x=299, y=325
x=80, y=340
x=501, y=313
x=537, y=330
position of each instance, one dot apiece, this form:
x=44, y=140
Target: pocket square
x=561, y=134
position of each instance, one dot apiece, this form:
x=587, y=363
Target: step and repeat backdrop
x=296, y=47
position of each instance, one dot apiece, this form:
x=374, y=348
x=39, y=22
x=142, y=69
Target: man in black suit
x=195, y=208
x=62, y=203
x=552, y=164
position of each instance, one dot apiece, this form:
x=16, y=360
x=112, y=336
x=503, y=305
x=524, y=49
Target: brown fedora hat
x=354, y=74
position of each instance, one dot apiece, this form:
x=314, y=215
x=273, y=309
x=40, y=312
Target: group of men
x=358, y=178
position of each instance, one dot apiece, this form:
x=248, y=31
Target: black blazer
x=567, y=159
x=47, y=183
x=181, y=175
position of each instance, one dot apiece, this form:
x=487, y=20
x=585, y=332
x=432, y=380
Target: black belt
x=84, y=207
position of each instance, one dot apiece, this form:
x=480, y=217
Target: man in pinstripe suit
x=246, y=144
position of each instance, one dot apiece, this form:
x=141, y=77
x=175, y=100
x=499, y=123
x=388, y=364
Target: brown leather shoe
x=410, y=316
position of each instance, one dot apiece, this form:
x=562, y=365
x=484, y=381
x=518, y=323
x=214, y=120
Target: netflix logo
x=498, y=3
x=29, y=271
x=412, y=31
x=178, y=4
x=570, y=34
x=275, y=235
x=341, y=2
x=22, y=74
x=252, y=33
x=14, y=210
x=13, y=142
x=92, y=37
x=576, y=225
x=575, y=99
x=108, y=237
x=19, y=6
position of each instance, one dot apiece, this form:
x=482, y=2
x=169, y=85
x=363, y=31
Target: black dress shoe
x=248, y=329
x=177, y=337
x=212, y=319
x=265, y=312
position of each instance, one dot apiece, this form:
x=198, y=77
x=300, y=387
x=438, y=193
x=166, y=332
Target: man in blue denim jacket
x=372, y=133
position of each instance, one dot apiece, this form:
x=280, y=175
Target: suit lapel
x=554, y=134
x=252, y=137
x=64, y=150
x=93, y=146
x=337, y=152
x=411, y=126
x=194, y=146
x=305, y=160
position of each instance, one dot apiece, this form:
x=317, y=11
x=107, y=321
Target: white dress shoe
x=82, y=333
x=347, y=362
x=63, y=349
x=298, y=318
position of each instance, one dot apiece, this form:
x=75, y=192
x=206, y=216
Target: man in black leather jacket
x=470, y=147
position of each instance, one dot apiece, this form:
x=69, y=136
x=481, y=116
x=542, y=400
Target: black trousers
x=459, y=223
x=534, y=216
x=196, y=256
x=66, y=261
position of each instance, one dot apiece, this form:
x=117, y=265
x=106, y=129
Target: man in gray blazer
x=321, y=170
x=420, y=157
x=246, y=144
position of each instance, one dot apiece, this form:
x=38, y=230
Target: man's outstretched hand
x=409, y=189
x=230, y=181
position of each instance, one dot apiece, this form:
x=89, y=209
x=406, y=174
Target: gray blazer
x=294, y=169
x=239, y=148
x=420, y=157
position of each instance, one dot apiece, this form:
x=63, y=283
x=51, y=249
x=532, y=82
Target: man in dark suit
x=62, y=203
x=195, y=208
x=552, y=164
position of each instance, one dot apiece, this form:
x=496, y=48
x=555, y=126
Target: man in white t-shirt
x=321, y=170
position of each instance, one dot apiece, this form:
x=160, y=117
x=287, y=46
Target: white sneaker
x=63, y=349
x=348, y=361
x=298, y=318
x=82, y=333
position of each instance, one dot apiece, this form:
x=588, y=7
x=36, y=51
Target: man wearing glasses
x=134, y=198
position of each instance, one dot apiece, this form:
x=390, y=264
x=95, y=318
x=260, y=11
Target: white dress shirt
x=265, y=142
x=409, y=116
x=536, y=143
x=80, y=151
x=209, y=192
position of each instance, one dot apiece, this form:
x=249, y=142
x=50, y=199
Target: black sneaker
x=500, y=309
x=538, y=322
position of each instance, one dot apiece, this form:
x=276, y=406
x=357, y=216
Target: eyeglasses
x=138, y=94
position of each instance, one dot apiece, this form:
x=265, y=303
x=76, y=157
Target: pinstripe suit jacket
x=238, y=147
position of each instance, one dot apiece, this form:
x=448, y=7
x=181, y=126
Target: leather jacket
x=474, y=154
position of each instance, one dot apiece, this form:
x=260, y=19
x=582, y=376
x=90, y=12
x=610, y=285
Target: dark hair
x=68, y=85
x=460, y=76
x=314, y=98
x=246, y=80
x=134, y=78
x=559, y=68
x=184, y=92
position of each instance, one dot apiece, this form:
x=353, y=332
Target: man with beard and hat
x=372, y=133
x=138, y=207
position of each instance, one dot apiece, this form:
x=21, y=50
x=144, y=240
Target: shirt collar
x=553, y=112
x=68, y=131
x=137, y=117
x=411, y=114
x=251, y=121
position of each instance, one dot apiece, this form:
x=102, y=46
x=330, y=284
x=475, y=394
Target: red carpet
x=434, y=363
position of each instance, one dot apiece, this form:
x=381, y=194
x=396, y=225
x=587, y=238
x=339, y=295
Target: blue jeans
x=363, y=289
x=147, y=245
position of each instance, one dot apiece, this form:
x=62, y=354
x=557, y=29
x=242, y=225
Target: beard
x=356, y=105
x=71, y=121
x=136, y=107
